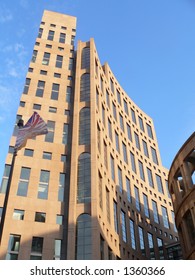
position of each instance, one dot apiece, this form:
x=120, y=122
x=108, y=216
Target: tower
x=94, y=187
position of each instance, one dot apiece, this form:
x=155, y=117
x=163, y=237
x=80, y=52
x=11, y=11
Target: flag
x=34, y=126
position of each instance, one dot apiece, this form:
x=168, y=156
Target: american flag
x=34, y=126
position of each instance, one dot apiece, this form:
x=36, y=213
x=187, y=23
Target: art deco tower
x=94, y=187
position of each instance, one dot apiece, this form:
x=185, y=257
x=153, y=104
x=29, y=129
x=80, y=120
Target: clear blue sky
x=149, y=45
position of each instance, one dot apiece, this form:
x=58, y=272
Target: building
x=94, y=187
x=181, y=185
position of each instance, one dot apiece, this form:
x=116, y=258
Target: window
x=36, y=248
x=165, y=216
x=149, y=130
x=62, y=38
x=63, y=27
x=137, y=200
x=151, y=246
x=22, y=104
x=47, y=155
x=48, y=46
x=68, y=94
x=40, y=88
x=189, y=226
x=129, y=132
x=150, y=179
x=40, y=217
x=141, y=240
x=133, y=116
x=57, y=75
x=146, y=208
x=34, y=56
x=155, y=211
x=61, y=187
x=43, y=184
x=121, y=122
x=103, y=114
x=46, y=58
x=154, y=155
x=112, y=167
x=63, y=158
x=118, y=96
x=26, y=86
x=40, y=32
x=124, y=152
x=13, y=247
x=141, y=124
x=84, y=126
x=84, y=178
x=173, y=220
x=57, y=249
x=114, y=110
x=50, y=135
x=145, y=148
x=110, y=129
x=72, y=39
x=123, y=226
x=98, y=138
x=105, y=155
x=133, y=166
x=159, y=184
x=36, y=106
x=23, y=182
x=50, y=35
x=59, y=219
x=71, y=64
x=120, y=180
x=107, y=99
x=52, y=109
x=18, y=214
x=85, y=58
x=132, y=233
x=65, y=134
x=28, y=152
x=108, y=204
x=59, y=61
x=117, y=141
x=83, y=244
x=126, y=107
x=100, y=190
x=5, y=178
x=85, y=88
x=115, y=216
x=128, y=189
x=141, y=170
x=67, y=112
x=43, y=72
x=137, y=140
x=55, y=91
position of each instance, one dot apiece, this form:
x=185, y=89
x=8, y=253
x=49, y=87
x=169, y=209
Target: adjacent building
x=182, y=190
x=94, y=187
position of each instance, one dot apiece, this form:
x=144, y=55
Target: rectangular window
x=108, y=204
x=23, y=182
x=132, y=233
x=36, y=248
x=5, y=178
x=105, y=155
x=137, y=140
x=111, y=85
x=128, y=189
x=155, y=211
x=50, y=135
x=137, y=200
x=46, y=58
x=110, y=129
x=129, y=132
x=133, y=166
x=123, y=226
x=124, y=152
x=121, y=121
x=65, y=134
x=99, y=138
x=146, y=208
x=47, y=155
x=103, y=115
x=50, y=35
x=26, y=86
x=120, y=180
x=61, y=187
x=126, y=107
x=57, y=249
x=154, y=155
x=112, y=167
x=40, y=88
x=40, y=32
x=59, y=61
x=101, y=247
x=100, y=191
x=150, y=178
x=133, y=116
x=62, y=38
x=141, y=170
x=114, y=111
x=52, y=109
x=18, y=214
x=141, y=124
x=145, y=147
x=28, y=152
x=159, y=184
x=151, y=246
x=118, y=96
x=149, y=130
x=43, y=184
x=117, y=142
x=160, y=249
x=59, y=219
x=107, y=99
x=115, y=216
x=43, y=72
x=40, y=217
x=55, y=91
x=36, y=106
x=34, y=56
x=13, y=247
x=141, y=240
x=68, y=94
x=71, y=64
x=165, y=217
x=173, y=220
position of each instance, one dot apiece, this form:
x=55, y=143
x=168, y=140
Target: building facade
x=94, y=187
x=181, y=185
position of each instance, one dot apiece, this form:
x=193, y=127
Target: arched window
x=84, y=126
x=85, y=58
x=85, y=88
x=84, y=178
x=83, y=238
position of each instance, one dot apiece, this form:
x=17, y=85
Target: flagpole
x=20, y=124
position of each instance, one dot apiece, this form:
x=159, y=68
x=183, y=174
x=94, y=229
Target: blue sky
x=149, y=45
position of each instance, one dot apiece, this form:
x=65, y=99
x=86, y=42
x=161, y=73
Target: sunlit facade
x=94, y=187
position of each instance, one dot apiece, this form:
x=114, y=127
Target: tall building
x=94, y=187
x=182, y=189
